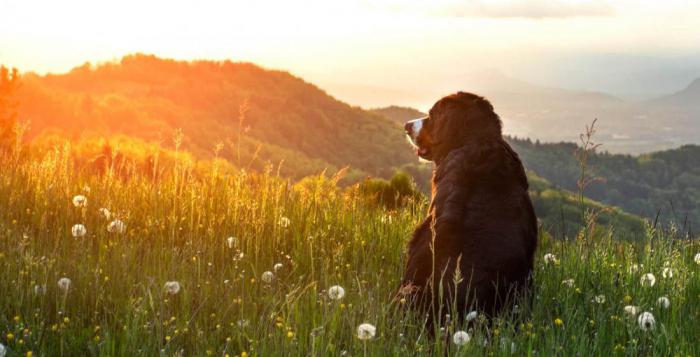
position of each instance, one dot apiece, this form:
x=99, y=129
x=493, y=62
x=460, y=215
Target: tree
x=9, y=81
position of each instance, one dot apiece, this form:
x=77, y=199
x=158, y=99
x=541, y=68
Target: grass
x=177, y=229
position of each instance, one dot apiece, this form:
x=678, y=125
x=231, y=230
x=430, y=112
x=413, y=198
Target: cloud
x=535, y=9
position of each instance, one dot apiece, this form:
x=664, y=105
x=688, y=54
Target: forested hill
x=665, y=182
x=259, y=115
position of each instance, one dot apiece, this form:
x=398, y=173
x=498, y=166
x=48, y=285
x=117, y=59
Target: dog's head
x=454, y=121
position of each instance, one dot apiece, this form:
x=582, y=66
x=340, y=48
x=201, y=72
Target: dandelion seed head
x=599, y=299
x=79, y=201
x=461, y=338
x=646, y=321
x=663, y=302
x=472, y=315
x=366, y=331
x=64, y=284
x=697, y=258
x=172, y=287
x=231, y=242
x=648, y=280
x=631, y=310
x=268, y=277
x=116, y=226
x=3, y=350
x=634, y=268
x=284, y=222
x=39, y=289
x=277, y=267
x=105, y=213
x=667, y=273
x=549, y=258
x=78, y=230
x=336, y=292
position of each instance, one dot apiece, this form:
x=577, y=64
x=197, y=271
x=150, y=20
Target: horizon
x=384, y=57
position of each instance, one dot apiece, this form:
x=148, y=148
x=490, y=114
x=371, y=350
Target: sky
x=405, y=49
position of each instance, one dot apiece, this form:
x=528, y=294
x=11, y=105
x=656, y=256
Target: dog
x=474, y=250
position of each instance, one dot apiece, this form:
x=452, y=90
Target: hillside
x=399, y=114
x=664, y=183
x=244, y=107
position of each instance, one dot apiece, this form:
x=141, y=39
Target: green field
x=310, y=236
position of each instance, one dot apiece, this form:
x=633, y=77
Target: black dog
x=474, y=251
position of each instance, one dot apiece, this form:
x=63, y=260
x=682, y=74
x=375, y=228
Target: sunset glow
x=343, y=46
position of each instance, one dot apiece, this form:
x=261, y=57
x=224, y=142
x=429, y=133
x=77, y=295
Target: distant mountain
x=398, y=114
x=259, y=115
x=687, y=99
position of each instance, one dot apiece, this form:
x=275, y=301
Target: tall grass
x=178, y=229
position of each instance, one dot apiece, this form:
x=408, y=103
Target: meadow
x=212, y=261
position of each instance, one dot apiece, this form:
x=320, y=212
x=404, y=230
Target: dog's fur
x=481, y=224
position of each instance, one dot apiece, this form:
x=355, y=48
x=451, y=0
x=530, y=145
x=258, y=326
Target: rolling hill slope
x=245, y=107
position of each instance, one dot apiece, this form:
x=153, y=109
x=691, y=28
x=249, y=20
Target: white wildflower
x=569, y=283
x=646, y=321
x=599, y=299
x=336, y=292
x=648, y=279
x=172, y=287
x=471, y=316
x=116, y=226
x=79, y=201
x=461, y=338
x=105, y=213
x=667, y=273
x=3, y=350
x=632, y=310
x=64, y=284
x=78, y=231
x=366, y=331
x=664, y=302
x=268, y=277
x=231, y=242
x=550, y=258
x=284, y=222
x=697, y=258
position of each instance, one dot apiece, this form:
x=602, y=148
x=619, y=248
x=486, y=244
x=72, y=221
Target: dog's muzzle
x=413, y=128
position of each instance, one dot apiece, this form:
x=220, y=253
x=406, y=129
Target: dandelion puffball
x=366, y=331
x=78, y=231
x=472, y=316
x=231, y=242
x=336, y=292
x=663, y=302
x=3, y=350
x=116, y=226
x=172, y=287
x=599, y=299
x=105, y=213
x=277, y=267
x=648, y=279
x=461, y=338
x=284, y=222
x=667, y=273
x=632, y=310
x=549, y=258
x=64, y=284
x=697, y=258
x=79, y=201
x=267, y=277
x=634, y=268
x=646, y=321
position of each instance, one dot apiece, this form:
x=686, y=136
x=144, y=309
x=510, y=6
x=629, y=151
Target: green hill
x=245, y=107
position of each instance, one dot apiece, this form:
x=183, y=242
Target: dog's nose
x=409, y=128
